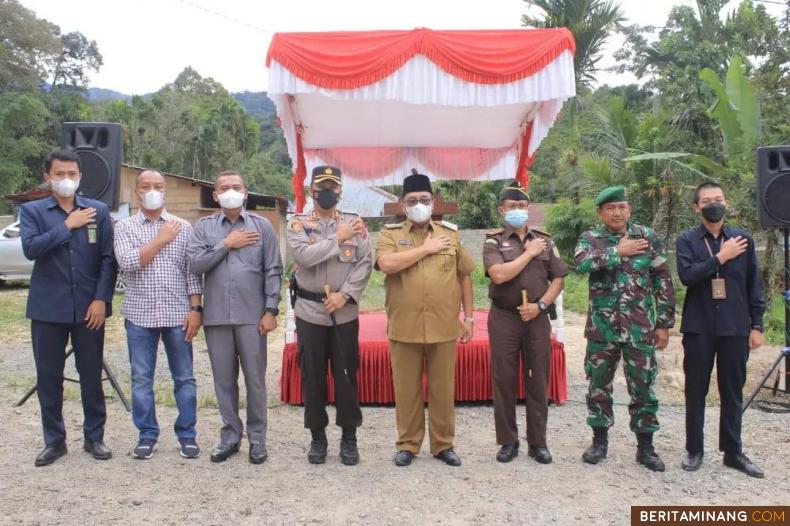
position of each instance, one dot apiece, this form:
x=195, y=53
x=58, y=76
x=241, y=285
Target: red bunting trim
x=349, y=60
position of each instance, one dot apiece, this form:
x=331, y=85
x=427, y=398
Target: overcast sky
x=146, y=43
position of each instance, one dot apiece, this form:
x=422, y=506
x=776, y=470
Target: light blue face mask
x=516, y=218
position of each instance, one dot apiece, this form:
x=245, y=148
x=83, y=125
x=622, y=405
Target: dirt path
x=286, y=490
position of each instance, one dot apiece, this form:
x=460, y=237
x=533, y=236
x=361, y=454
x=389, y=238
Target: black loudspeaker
x=773, y=180
x=99, y=146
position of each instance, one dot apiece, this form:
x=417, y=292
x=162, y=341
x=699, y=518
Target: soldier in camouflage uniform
x=631, y=309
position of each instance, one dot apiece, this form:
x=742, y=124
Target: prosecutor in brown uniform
x=330, y=248
x=517, y=258
x=428, y=278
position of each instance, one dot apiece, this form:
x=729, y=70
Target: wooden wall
x=184, y=200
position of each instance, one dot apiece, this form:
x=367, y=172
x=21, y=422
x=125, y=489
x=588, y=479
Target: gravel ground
x=286, y=489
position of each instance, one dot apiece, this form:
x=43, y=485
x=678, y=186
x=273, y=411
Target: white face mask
x=153, y=200
x=231, y=199
x=419, y=213
x=65, y=187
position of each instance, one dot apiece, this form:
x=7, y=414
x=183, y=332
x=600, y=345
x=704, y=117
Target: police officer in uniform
x=630, y=311
x=518, y=258
x=330, y=248
x=428, y=279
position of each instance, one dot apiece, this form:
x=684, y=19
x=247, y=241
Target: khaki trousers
x=408, y=362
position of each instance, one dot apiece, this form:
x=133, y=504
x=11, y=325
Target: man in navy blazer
x=70, y=240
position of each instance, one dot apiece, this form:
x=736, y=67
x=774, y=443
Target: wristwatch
x=196, y=308
x=542, y=306
x=274, y=310
x=470, y=319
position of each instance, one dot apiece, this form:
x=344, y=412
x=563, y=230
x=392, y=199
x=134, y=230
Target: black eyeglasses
x=412, y=201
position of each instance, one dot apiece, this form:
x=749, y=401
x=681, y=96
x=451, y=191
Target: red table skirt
x=472, y=373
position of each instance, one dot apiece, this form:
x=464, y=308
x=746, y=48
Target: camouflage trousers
x=640, y=368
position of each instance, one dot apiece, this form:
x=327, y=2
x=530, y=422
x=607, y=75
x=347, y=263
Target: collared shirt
x=238, y=284
x=503, y=246
x=320, y=261
x=744, y=306
x=72, y=267
x=157, y=294
x=629, y=297
x=423, y=301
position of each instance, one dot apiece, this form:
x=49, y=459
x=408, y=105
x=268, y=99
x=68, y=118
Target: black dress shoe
x=541, y=454
x=50, y=454
x=349, y=454
x=98, y=450
x=317, y=453
x=742, y=463
x=507, y=452
x=691, y=461
x=449, y=457
x=258, y=453
x=403, y=458
x=223, y=452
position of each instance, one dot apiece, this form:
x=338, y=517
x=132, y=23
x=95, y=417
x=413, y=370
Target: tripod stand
x=109, y=378
x=785, y=352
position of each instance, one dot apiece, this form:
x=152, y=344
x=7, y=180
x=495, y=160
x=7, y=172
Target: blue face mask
x=516, y=218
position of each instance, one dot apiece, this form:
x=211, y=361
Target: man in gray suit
x=238, y=254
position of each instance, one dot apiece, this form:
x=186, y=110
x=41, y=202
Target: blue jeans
x=143, y=344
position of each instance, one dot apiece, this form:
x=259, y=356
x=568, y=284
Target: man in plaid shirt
x=162, y=301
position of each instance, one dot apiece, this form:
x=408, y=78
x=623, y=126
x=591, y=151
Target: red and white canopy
x=453, y=104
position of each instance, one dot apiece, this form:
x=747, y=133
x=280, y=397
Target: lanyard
x=711, y=254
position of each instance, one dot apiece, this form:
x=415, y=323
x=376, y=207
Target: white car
x=13, y=263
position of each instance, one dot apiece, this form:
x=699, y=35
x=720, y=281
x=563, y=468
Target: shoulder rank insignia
x=492, y=241
x=541, y=232
x=495, y=232
x=393, y=225
x=449, y=225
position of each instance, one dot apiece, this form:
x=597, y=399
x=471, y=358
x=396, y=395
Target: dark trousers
x=49, y=352
x=317, y=345
x=730, y=354
x=510, y=338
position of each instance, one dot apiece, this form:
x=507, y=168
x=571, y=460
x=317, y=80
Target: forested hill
x=256, y=103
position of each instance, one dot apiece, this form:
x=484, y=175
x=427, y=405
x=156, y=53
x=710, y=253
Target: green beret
x=613, y=194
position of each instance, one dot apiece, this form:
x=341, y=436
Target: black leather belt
x=501, y=306
x=318, y=297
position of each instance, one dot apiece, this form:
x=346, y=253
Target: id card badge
x=92, y=233
x=719, y=288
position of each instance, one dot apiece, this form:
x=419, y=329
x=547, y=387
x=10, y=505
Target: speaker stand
x=109, y=378
x=785, y=352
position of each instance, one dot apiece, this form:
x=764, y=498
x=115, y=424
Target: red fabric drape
x=300, y=174
x=524, y=159
x=349, y=60
x=441, y=162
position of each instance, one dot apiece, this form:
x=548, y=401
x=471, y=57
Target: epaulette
x=541, y=232
x=391, y=226
x=449, y=225
x=204, y=218
x=495, y=232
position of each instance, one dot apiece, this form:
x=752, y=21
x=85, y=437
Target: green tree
x=567, y=220
x=590, y=21
x=27, y=46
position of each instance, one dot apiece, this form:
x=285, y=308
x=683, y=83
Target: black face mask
x=327, y=198
x=714, y=212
